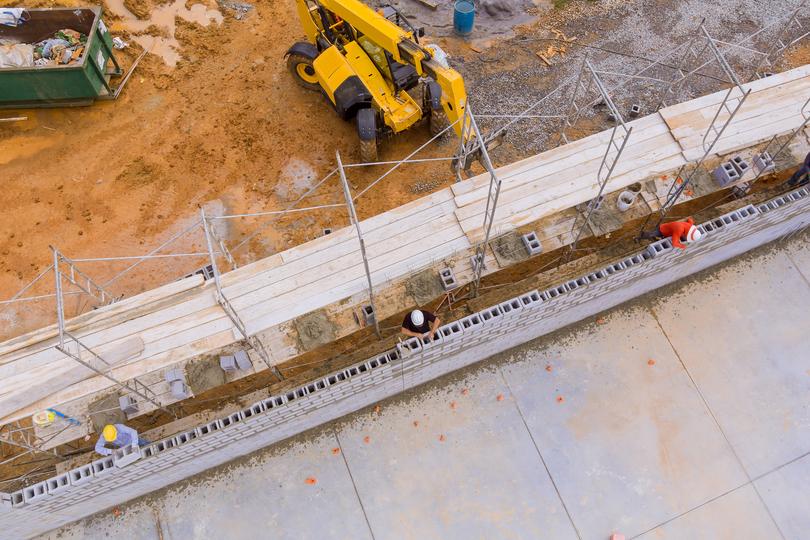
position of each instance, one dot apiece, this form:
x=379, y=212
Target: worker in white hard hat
x=679, y=231
x=419, y=323
x=117, y=435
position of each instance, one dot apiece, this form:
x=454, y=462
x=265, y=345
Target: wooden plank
x=47, y=385
x=561, y=181
x=107, y=315
x=697, y=122
x=714, y=99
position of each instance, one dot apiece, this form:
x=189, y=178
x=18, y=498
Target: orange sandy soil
x=227, y=124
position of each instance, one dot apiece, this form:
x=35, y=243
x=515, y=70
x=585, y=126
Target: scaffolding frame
x=789, y=34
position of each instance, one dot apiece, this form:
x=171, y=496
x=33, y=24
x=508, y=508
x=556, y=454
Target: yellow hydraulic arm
x=398, y=42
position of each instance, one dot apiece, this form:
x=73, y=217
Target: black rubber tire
x=367, y=133
x=368, y=151
x=438, y=121
x=296, y=62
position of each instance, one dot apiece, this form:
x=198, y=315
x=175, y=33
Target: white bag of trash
x=17, y=55
x=12, y=16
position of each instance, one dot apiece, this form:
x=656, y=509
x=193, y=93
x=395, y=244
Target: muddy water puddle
x=168, y=48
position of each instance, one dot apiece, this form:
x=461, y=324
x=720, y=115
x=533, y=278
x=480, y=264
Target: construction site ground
x=680, y=415
x=213, y=119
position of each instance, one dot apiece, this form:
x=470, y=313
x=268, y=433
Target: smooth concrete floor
x=682, y=415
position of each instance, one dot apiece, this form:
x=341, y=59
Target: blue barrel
x=463, y=16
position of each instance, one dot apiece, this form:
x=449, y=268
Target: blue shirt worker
x=117, y=435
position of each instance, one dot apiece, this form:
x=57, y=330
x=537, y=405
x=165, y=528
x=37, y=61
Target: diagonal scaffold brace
x=252, y=341
x=71, y=346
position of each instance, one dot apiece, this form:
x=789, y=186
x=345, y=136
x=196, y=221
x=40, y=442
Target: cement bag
x=17, y=55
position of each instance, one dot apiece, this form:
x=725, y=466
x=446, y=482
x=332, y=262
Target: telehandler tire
x=367, y=133
x=299, y=63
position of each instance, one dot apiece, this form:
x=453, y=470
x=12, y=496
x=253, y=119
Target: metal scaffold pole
x=493, y=193
x=66, y=339
x=356, y=223
x=252, y=341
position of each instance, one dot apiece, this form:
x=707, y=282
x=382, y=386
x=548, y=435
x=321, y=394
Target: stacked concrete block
x=448, y=278
x=128, y=404
x=532, y=243
x=725, y=174
x=740, y=165
x=113, y=480
x=228, y=363
x=763, y=162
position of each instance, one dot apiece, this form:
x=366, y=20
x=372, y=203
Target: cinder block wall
x=131, y=472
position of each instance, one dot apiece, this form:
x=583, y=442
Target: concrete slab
x=468, y=469
x=631, y=444
x=739, y=515
x=745, y=343
x=786, y=492
x=798, y=249
x=265, y=496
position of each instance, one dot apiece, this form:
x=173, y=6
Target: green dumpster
x=79, y=83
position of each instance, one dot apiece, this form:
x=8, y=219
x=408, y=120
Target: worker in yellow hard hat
x=117, y=435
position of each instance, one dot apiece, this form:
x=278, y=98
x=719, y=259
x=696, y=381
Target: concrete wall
x=132, y=472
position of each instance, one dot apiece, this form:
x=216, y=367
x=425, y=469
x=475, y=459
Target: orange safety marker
x=499, y=397
x=650, y=362
x=311, y=480
x=453, y=405
x=416, y=423
x=560, y=399
x=366, y=439
x=335, y=450
x=377, y=409
x=601, y=320
x=548, y=367
x=616, y=536
x=464, y=391
x=441, y=438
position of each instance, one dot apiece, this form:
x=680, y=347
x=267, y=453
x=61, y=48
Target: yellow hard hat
x=110, y=433
x=43, y=418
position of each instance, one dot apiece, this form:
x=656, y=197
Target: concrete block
x=128, y=404
x=725, y=174
x=740, y=165
x=491, y=315
x=452, y=330
x=126, y=455
x=227, y=363
x=474, y=261
x=554, y=292
x=531, y=300
x=471, y=323
x=35, y=493
x=210, y=428
x=577, y=283
x=532, y=243
x=58, y=484
x=243, y=360
x=763, y=162
x=172, y=375
x=179, y=389
x=635, y=110
x=368, y=314
x=448, y=278
x=511, y=308
x=17, y=499
x=103, y=467
x=81, y=475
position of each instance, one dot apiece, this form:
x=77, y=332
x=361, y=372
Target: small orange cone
x=548, y=367
x=464, y=391
x=366, y=439
x=560, y=399
x=416, y=423
x=335, y=450
x=499, y=397
x=650, y=362
x=441, y=438
x=311, y=480
x=453, y=405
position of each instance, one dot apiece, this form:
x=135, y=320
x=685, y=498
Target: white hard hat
x=417, y=317
x=694, y=234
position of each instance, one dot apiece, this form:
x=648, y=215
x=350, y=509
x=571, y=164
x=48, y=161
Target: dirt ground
x=213, y=119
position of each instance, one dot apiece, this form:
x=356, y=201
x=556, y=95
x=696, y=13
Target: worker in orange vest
x=676, y=230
